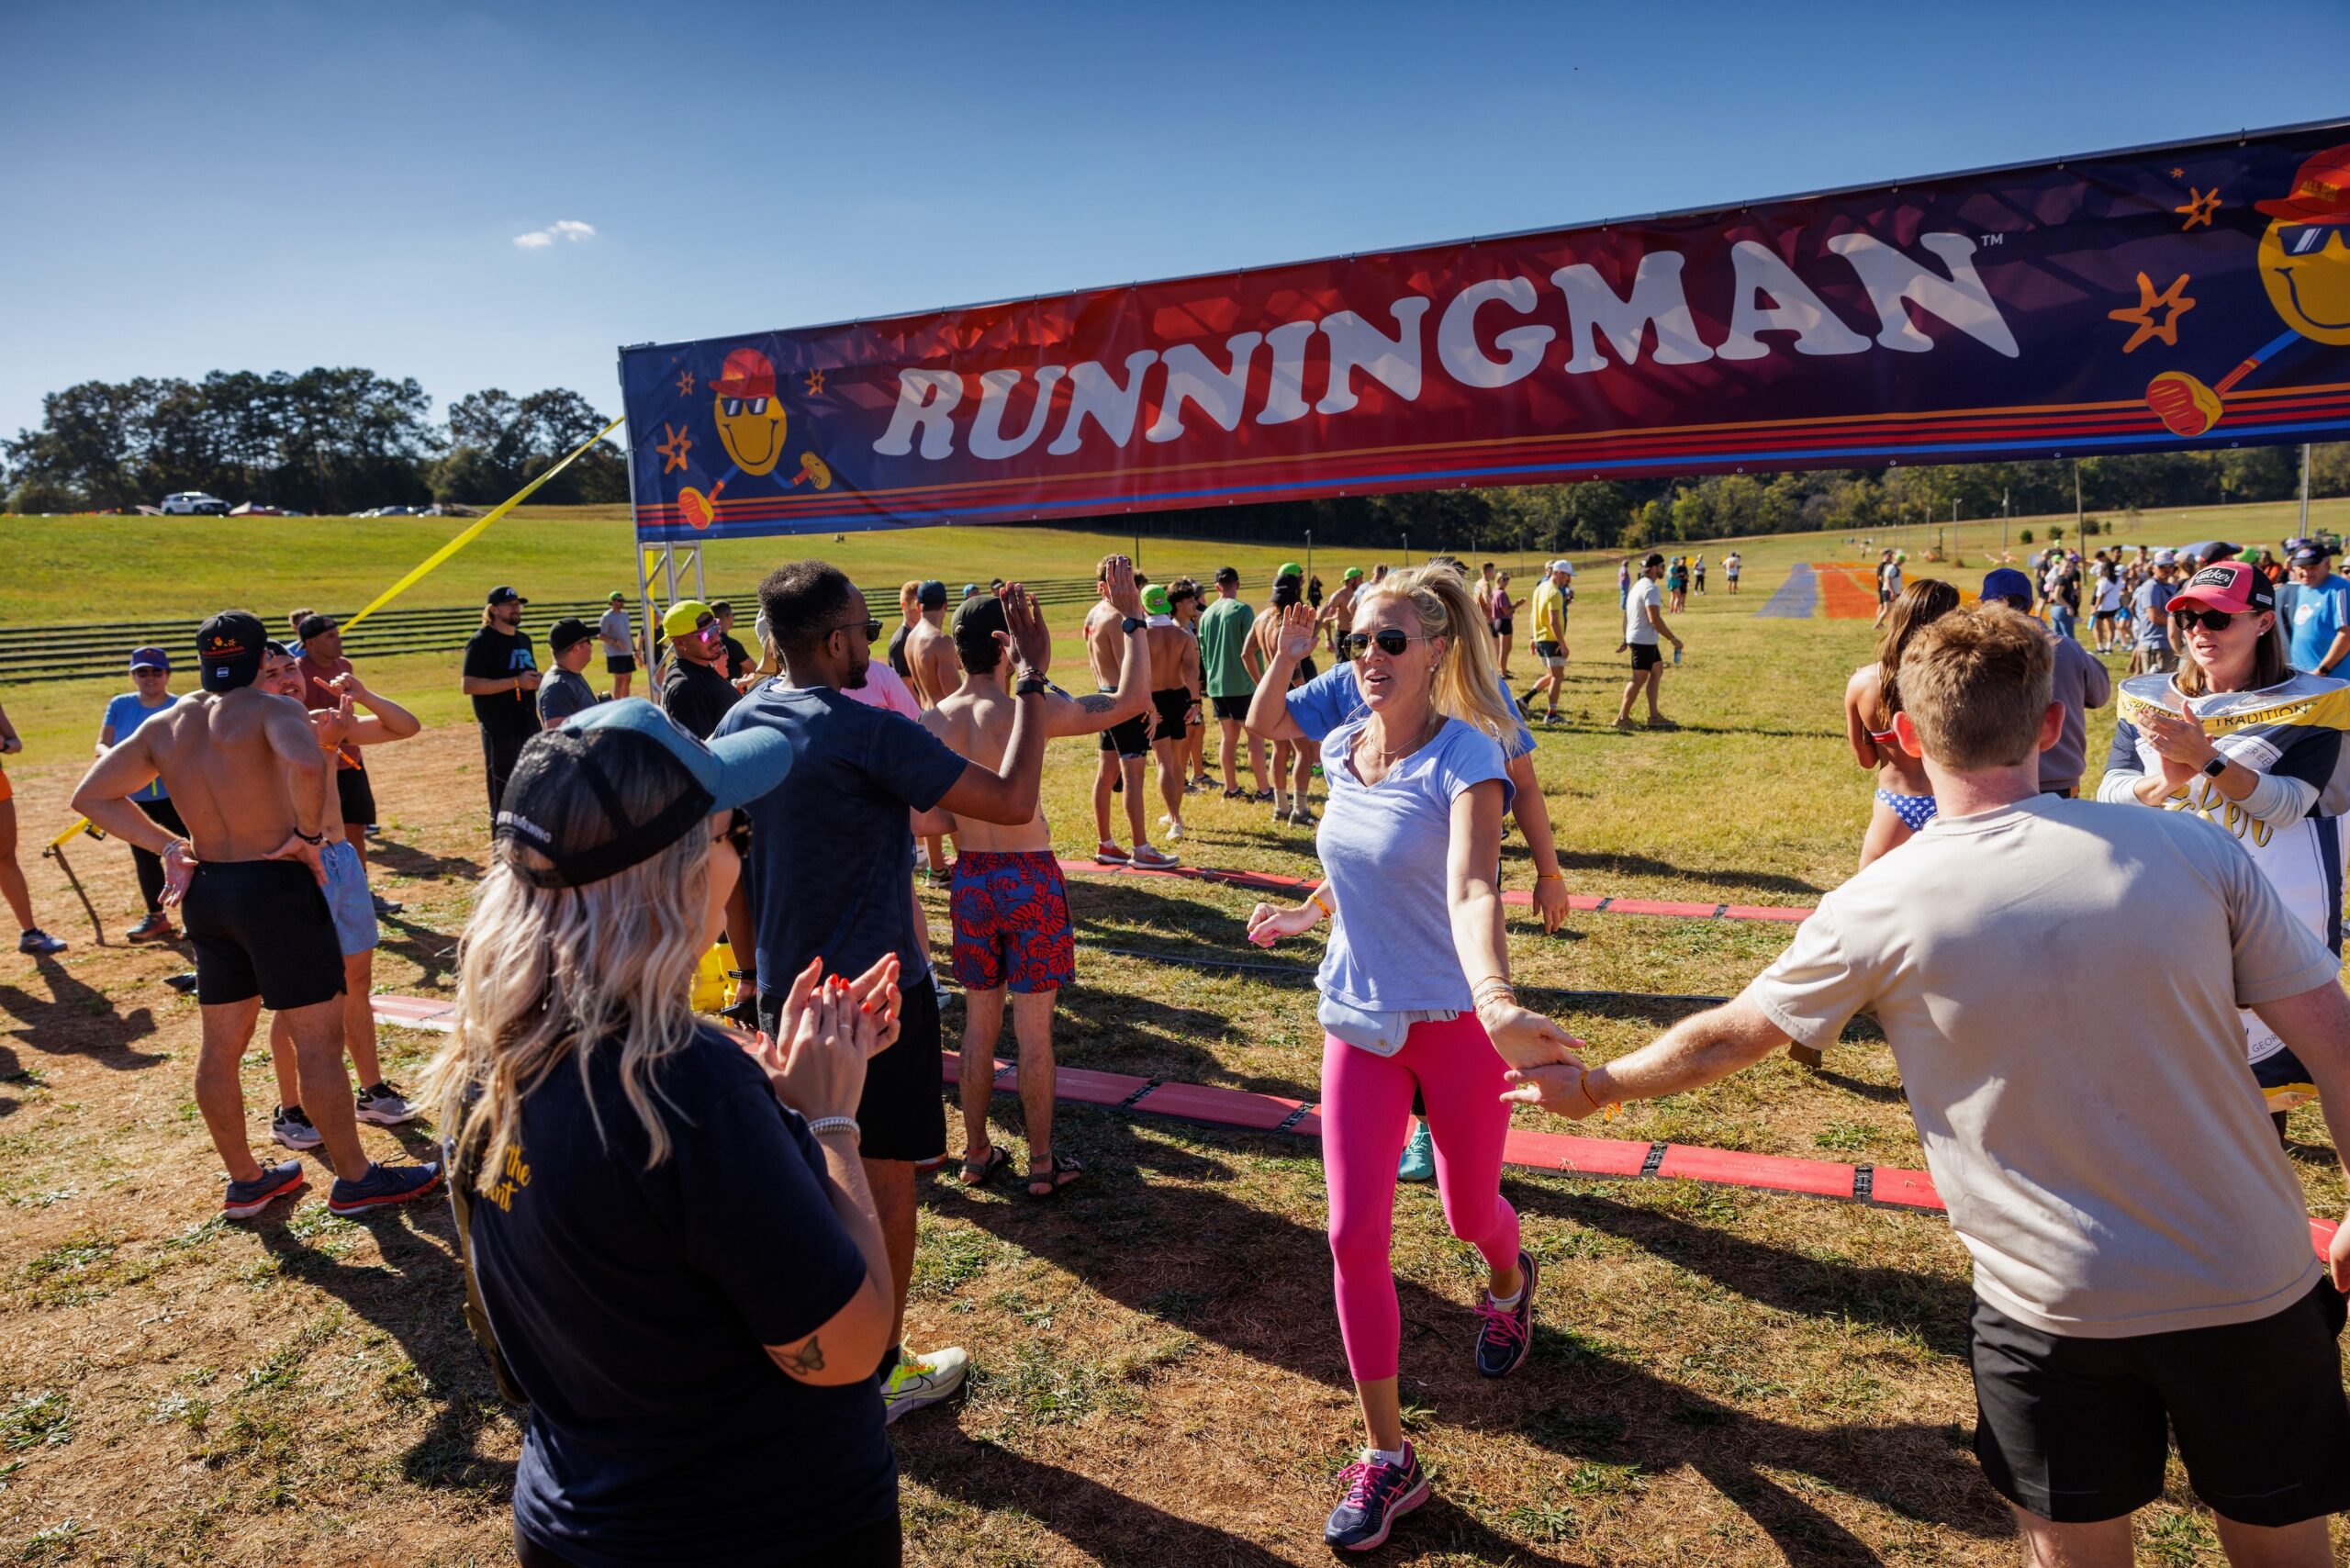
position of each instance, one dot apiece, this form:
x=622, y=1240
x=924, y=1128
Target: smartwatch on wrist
x=2214, y=767
x=1132, y=625
x=1031, y=685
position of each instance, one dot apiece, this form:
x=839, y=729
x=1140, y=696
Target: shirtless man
x=1174, y=691
x=1012, y=922
x=1339, y=613
x=931, y=670
x=1183, y=597
x=1126, y=743
x=1292, y=757
x=249, y=778
x=344, y=730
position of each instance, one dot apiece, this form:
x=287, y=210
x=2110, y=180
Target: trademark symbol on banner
x=1991, y=240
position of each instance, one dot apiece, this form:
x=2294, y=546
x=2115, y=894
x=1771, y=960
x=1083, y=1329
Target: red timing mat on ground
x=1582, y=902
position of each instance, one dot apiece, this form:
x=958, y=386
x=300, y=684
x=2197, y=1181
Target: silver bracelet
x=823, y=1125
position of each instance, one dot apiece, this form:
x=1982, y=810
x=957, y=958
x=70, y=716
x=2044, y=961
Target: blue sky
x=264, y=186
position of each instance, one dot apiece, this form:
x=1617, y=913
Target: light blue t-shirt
x=2152, y=604
x=2319, y=614
x=123, y=715
x=1385, y=849
x=1332, y=698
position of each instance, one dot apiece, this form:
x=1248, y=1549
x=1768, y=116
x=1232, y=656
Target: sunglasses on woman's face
x=737, y=830
x=2209, y=619
x=1387, y=640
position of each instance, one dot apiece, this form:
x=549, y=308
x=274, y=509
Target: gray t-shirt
x=2080, y=682
x=2112, y=1170
x=1386, y=848
x=612, y=631
x=563, y=693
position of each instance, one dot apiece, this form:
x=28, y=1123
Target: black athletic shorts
x=620, y=664
x=904, y=1113
x=1233, y=708
x=2077, y=1431
x=1174, y=705
x=358, y=797
x=1646, y=655
x=1131, y=738
x=261, y=928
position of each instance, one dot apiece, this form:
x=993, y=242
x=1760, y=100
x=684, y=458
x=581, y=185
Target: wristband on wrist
x=1549, y=875
x=1315, y=897
x=823, y=1125
x=310, y=838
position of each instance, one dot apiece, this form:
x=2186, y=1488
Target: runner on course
x=1012, y=922
x=931, y=671
x=502, y=677
x=1183, y=598
x=1224, y=638
x=1643, y=625
x=1294, y=758
x=1730, y=564
x=1503, y=611
x=1549, y=611
x=1126, y=745
x=1174, y=690
x=150, y=674
x=249, y=778
x=339, y=726
x=618, y=639
x=40, y=944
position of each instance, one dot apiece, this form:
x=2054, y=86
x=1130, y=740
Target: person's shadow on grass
x=416, y=1295
x=1259, y=1284
x=76, y=1019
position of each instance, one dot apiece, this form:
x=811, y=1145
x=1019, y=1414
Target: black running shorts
x=1233, y=708
x=261, y=928
x=357, y=797
x=2077, y=1431
x=1174, y=706
x=904, y=1113
x=1646, y=655
x=620, y=664
x=1131, y=738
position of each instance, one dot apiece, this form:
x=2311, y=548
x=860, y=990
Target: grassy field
x=1719, y=1377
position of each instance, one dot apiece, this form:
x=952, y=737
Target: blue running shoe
x=246, y=1199
x=1418, y=1163
x=1505, y=1334
x=1378, y=1494
x=383, y=1184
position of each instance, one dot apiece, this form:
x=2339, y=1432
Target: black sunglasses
x=1389, y=641
x=2305, y=239
x=872, y=629
x=2209, y=619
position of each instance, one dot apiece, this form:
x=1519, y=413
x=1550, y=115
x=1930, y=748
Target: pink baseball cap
x=2231, y=587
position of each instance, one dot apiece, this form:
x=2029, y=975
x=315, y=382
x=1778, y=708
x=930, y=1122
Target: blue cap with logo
x=2006, y=582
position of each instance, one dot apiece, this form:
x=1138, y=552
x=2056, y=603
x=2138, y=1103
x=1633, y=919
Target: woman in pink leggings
x=1414, y=985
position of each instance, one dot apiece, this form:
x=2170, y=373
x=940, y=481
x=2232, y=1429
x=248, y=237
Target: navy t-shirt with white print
x=633, y=1307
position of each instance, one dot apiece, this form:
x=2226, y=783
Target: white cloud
x=569, y=228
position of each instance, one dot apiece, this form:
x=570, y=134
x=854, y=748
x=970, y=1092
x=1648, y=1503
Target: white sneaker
x=1174, y=831
x=1302, y=818
x=1156, y=859
x=917, y=1381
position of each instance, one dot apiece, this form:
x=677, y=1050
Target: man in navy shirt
x=830, y=847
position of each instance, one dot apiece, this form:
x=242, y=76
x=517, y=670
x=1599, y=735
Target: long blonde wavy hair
x=551, y=975
x=1466, y=684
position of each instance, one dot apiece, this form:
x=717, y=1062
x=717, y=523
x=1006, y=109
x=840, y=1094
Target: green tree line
x=323, y=441
x=1629, y=514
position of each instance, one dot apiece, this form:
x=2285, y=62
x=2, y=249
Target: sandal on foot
x=1063, y=1170
x=980, y=1174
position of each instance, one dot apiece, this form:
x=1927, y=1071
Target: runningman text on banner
x=2193, y=295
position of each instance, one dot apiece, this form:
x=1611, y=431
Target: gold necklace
x=1390, y=757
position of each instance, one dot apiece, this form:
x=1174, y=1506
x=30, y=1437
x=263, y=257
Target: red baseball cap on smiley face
x=746, y=373
x=2232, y=587
x=2321, y=191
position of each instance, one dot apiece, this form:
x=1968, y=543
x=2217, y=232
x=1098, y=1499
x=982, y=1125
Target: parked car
x=255, y=509
x=194, y=503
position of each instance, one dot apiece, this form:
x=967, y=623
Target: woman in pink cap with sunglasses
x=2242, y=738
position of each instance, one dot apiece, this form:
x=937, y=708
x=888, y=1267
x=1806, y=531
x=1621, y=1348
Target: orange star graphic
x=2180, y=174
x=673, y=451
x=2198, y=208
x=2172, y=301
x=684, y=383
x=815, y=382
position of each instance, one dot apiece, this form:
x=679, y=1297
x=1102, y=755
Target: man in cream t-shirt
x=2142, y=1264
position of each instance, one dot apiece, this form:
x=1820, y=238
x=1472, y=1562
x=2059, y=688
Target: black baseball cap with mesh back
x=228, y=650
x=562, y=802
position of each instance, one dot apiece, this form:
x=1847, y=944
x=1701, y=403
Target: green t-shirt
x=1224, y=633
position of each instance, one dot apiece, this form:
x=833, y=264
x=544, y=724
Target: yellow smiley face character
x=750, y=420
x=2305, y=255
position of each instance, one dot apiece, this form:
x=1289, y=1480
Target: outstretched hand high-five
x=1030, y=639
x=1125, y=598
x=1298, y=622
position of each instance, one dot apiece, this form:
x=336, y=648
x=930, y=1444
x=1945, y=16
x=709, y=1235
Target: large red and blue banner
x=2190, y=295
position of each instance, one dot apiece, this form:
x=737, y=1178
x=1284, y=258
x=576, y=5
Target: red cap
x=747, y=373
x=2321, y=191
x=2232, y=587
